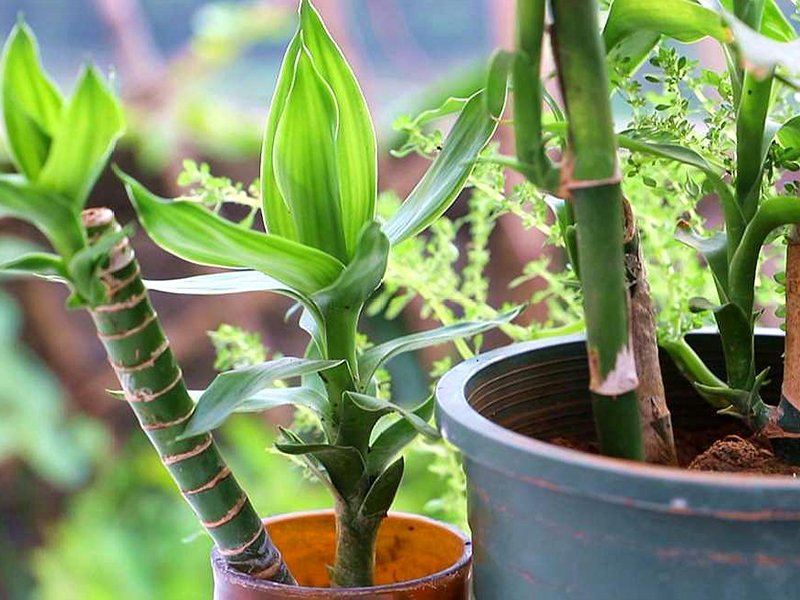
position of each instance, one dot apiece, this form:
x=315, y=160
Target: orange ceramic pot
x=416, y=559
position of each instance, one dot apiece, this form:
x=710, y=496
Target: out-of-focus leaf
x=357, y=158
x=394, y=438
x=31, y=102
x=682, y=20
x=91, y=124
x=374, y=357
x=37, y=264
x=789, y=133
x=373, y=404
x=760, y=54
x=448, y=174
x=632, y=51
x=54, y=215
x=304, y=160
x=192, y=233
x=269, y=398
x=277, y=217
x=774, y=23
x=231, y=390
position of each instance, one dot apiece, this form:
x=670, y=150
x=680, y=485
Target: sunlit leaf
x=394, y=438
x=357, y=159
x=91, y=124
x=31, y=102
x=373, y=404
x=38, y=264
x=305, y=160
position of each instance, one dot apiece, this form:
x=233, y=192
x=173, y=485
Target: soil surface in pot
x=727, y=448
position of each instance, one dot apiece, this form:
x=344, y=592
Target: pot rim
x=241, y=579
x=473, y=433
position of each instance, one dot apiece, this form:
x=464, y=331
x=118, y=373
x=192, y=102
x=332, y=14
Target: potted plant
x=324, y=249
x=557, y=523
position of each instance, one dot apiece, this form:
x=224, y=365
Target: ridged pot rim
x=235, y=577
x=655, y=487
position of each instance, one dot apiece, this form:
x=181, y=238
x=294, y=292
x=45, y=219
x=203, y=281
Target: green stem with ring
x=592, y=180
x=154, y=388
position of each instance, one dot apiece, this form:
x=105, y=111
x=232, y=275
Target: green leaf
x=54, y=215
x=364, y=273
x=304, y=160
x=683, y=20
x=31, y=102
x=383, y=491
x=344, y=464
x=373, y=404
x=357, y=156
x=394, y=438
x=631, y=52
x=374, y=357
x=38, y=264
x=270, y=398
x=231, y=390
x=90, y=127
x=713, y=249
x=448, y=174
x=789, y=133
x=277, y=218
x=191, y=232
x=82, y=269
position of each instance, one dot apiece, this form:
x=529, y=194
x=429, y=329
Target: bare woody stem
x=657, y=436
x=154, y=388
x=591, y=178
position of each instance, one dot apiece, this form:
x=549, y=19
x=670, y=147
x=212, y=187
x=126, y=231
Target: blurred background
x=86, y=510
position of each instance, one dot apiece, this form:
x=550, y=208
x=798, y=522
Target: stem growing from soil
x=154, y=388
x=591, y=177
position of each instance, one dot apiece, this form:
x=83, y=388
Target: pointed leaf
x=52, y=214
x=448, y=174
x=344, y=464
x=373, y=404
x=383, y=491
x=277, y=218
x=394, y=438
x=304, y=160
x=191, y=232
x=82, y=269
x=713, y=249
x=90, y=127
x=683, y=20
x=789, y=133
x=269, y=398
x=357, y=157
x=38, y=264
x=230, y=390
x=31, y=102
x=374, y=357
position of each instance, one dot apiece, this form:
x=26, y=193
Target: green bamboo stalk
x=154, y=388
x=591, y=178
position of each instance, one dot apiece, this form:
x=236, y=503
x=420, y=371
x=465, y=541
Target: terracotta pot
x=416, y=559
x=556, y=524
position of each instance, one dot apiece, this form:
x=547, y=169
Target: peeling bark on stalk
x=151, y=379
x=590, y=177
x=657, y=436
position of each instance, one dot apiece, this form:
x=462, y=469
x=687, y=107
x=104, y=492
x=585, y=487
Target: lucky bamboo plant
x=324, y=248
x=60, y=146
x=762, y=53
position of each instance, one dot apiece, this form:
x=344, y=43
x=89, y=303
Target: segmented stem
x=140, y=354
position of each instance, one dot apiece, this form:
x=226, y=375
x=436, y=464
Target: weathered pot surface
x=556, y=524
x=416, y=559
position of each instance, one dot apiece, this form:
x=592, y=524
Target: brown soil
x=734, y=454
x=720, y=449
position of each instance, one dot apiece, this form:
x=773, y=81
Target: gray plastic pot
x=550, y=523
